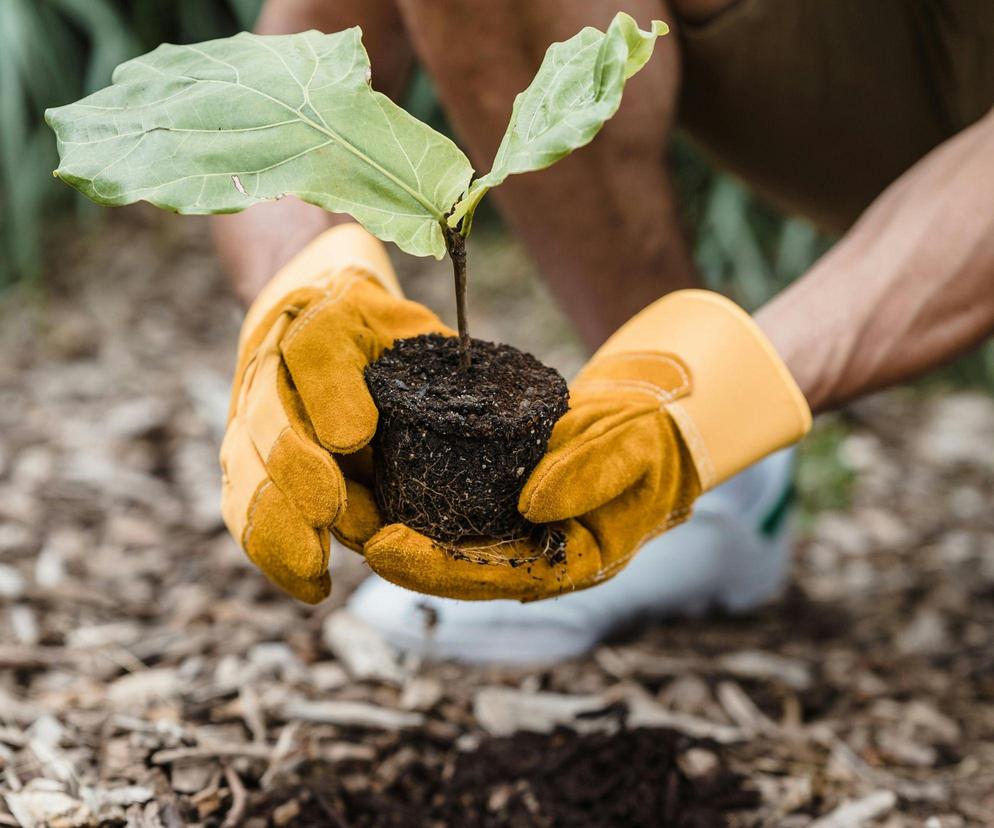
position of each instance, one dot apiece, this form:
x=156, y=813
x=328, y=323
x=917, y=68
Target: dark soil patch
x=455, y=446
x=629, y=779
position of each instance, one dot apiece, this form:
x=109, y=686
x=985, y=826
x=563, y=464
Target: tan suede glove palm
x=294, y=460
x=682, y=397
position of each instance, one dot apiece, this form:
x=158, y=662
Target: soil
x=455, y=445
x=631, y=778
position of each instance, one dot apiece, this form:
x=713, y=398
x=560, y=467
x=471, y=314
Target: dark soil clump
x=631, y=779
x=455, y=446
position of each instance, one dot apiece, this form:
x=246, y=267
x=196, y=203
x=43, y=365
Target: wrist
x=770, y=321
x=808, y=344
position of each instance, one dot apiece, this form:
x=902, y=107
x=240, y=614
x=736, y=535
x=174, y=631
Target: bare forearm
x=910, y=287
x=254, y=244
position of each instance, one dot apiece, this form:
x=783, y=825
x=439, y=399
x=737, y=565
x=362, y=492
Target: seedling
x=219, y=126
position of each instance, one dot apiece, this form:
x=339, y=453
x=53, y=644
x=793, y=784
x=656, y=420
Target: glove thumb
x=595, y=455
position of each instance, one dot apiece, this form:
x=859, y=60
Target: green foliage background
x=53, y=52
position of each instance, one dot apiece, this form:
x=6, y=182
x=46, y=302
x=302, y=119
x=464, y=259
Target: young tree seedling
x=216, y=127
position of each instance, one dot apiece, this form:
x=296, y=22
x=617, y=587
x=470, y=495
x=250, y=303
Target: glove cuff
x=743, y=402
x=343, y=248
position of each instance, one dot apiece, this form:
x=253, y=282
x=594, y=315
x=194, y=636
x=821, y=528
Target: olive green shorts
x=820, y=104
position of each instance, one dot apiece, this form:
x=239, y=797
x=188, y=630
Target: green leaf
x=218, y=126
x=578, y=87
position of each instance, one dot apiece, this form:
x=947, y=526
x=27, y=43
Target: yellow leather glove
x=683, y=396
x=293, y=459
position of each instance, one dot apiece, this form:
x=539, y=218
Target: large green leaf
x=578, y=87
x=218, y=126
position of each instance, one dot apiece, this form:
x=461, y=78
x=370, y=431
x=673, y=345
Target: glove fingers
x=326, y=351
x=308, y=590
x=273, y=416
x=595, y=455
x=309, y=477
x=328, y=348
x=624, y=525
x=242, y=473
x=279, y=541
x=391, y=319
x=360, y=520
x=485, y=570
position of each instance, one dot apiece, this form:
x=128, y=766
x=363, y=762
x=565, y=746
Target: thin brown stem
x=456, y=245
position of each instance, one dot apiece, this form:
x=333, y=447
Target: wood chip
x=742, y=710
x=698, y=763
x=643, y=711
x=421, y=693
x=252, y=751
x=286, y=813
x=856, y=813
x=757, y=664
x=356, y=714
x=503, y=710
x=191, y=775
x=363, y=651
x=17, y=657
x=44, y=803
x=238, y=799
x=137, y=690
x=626, y=662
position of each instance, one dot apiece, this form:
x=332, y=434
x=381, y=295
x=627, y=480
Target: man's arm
x=909, y=287
x=254, y=244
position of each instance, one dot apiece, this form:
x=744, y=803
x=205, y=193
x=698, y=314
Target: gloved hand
x=679, y=399
x=294, y=460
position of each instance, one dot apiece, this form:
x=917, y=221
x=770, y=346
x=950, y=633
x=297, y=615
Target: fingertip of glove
x=312, y=591
x=279, y=538
x=388, y=541
x=406, y=557
x=309, y=477
x=538, y=501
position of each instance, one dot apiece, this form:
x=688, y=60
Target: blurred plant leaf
x=218, y=126
x=53, y=52
x=22, y=73
x=245, y=12
x=110, y=40
x=824, y=480
x=797, y=248
x=727, y=221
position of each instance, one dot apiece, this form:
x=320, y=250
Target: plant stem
x=455, y=243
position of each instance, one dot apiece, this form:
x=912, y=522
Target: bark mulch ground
x=150, y=677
